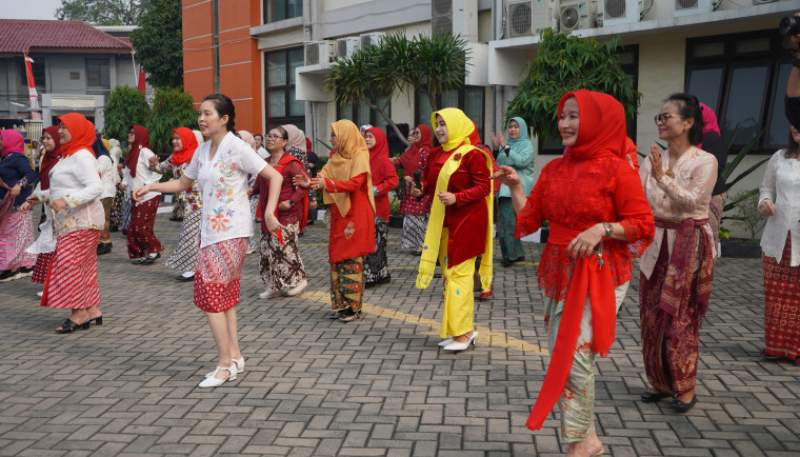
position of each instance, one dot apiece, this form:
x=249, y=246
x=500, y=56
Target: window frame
x=102, y=60
x=354, y=113
x=461, y=93
x=265, y=5
x=288, y=89
x=730, y=60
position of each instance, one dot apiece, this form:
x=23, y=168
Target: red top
x=352, y=234
x=288, y=166
x=465, y=220
x=384, y=176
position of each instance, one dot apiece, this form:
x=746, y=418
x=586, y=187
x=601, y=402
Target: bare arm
x=275, y=181
x=170, y=187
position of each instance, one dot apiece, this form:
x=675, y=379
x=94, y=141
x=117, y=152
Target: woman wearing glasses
x=677, y=268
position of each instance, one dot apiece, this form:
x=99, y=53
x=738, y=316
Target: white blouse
x=223, y=184
x=781, y=185
x=75, y=178
x=144, y=175
x=109, y=175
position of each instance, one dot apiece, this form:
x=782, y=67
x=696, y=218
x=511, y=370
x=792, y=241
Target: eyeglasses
x=275, y=137
x=662, y=118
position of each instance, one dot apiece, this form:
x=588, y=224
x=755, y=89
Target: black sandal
x=348, y=315
x=683, y=407
x=69, y=326
x=334, y=315
x=653, y=397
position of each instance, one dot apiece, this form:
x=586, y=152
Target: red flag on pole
x=142, y=80
x=33, y=96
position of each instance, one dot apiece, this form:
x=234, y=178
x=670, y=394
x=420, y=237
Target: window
x=278, y=10
x=360, y=113
x=281, y=105
x=98, y=74
x=39, y=76
x=470, y=99
x=743, y=78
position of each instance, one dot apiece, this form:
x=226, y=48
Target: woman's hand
x=447, y=198
x=140, y=192
x=506, y=175
x=28, y=204
x=152, y=162
x=498, y=139
x=655, y=162
x=317, y=182
x=271, y=222
x=58, y=204
x=583, y=245
x=766, y=208
x=301, y=180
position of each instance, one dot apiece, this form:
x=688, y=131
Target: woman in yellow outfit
x=459, y=226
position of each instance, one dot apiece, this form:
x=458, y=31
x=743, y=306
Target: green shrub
x=172, y=108
x=126, y=106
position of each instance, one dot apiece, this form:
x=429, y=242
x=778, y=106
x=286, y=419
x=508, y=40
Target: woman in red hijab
x=143, y=246
x=384, y=179
x=415, y=208
x=595, y=205
x=75, y=190
x=184, y=257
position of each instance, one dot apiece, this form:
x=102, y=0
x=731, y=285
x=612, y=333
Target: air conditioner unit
x=371, y=39
x=346, y=47
x=528, y=17
x=576, y=15
x=621, y=12
x=761, y=2
x=441, y=17
x=318, y=52
x=690, y=7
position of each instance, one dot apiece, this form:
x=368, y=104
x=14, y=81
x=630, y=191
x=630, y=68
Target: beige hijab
x=351, y=159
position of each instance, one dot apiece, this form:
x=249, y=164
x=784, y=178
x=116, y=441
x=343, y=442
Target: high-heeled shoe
x=211, y=380
x=445, y=342
x=458, y=346
x=69, y=326
x=239, y=364
x=98, y=321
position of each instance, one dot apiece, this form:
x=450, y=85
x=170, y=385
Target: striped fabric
x=71, y=282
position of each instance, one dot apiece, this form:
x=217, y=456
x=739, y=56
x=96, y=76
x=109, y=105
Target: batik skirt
x=141, y=237
x=413, y=235
x=782, y=305
x=281, y=265
x=216, y=279
x=184, y=257
x=71, y=281
x=16, y=234
x=347, y=284
x=115, y=222
x=376, y=265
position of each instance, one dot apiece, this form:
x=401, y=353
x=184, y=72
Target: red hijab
x=602, y=125
x=189, y=145
x=409, y=160
x=50, y=158
x=710, y=124
x=141, y=140
x=82, y=131
x=379, y=162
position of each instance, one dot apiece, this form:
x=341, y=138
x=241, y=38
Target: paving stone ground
x=378, y=387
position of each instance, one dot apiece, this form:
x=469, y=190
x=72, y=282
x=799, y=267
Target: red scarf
x=50, y=158
x=140, y=140
x=601, y=132
x=379, y=162
x=263, y=187
x=188, y=146
x=82, y=132
x=409, y=160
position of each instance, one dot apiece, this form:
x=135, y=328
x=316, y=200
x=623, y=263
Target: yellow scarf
x=457, y=123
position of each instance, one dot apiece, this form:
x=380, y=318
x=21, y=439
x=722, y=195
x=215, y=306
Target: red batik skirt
x=782, y=305
x=216, y=279
x=41, y=266
x=71, y=281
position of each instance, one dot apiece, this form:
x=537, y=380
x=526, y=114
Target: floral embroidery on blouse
x=221, y=216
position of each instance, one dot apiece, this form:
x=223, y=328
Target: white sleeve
x=88, y=176
x=191, y=170
x=249, y=160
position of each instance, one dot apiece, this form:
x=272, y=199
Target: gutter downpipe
x=215, y=43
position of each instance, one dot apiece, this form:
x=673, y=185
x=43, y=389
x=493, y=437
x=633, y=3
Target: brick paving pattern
x=378, y=387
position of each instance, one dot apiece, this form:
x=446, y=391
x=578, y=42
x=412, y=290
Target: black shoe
x=151, y=258
x=652, y=397
x=8, y=275
x=98, y=321
x=682, y=407
x=68, y=326
x=348, y=315
x=104, y=248
x=507, y=263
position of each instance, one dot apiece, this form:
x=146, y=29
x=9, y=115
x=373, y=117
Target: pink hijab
x=710, y=124
x=12, y=142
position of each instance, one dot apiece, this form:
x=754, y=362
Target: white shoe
x=458, y=346
x=187, y=274
x=239, y=365
x=40, y=293
x=23, y=274
x=211, y=379
x=269, y=293
x=444, y=343
x=296, y=290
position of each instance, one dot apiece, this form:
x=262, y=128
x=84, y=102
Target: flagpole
x=33, y=96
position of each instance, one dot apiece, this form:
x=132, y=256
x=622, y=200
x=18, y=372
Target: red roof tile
x=18, y=35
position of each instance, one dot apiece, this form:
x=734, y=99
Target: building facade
x=75, y=67
x=727, y=53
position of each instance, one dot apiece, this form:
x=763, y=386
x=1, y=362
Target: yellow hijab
x=351, y=159
x=459, y=127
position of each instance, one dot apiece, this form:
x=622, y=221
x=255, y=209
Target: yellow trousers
x=458, y=317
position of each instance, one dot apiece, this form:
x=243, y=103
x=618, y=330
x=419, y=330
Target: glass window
x=295, y=60
x=277, y=103
x=706, y=84
x=753, y=45
x=745, y=102
x=281, y=104
x=276, y=69
x=778, y=124
x=449, y=98
x=470, y=99
x=709, y=49
x=424, y=109
x=98, y=73
x=278, y=10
